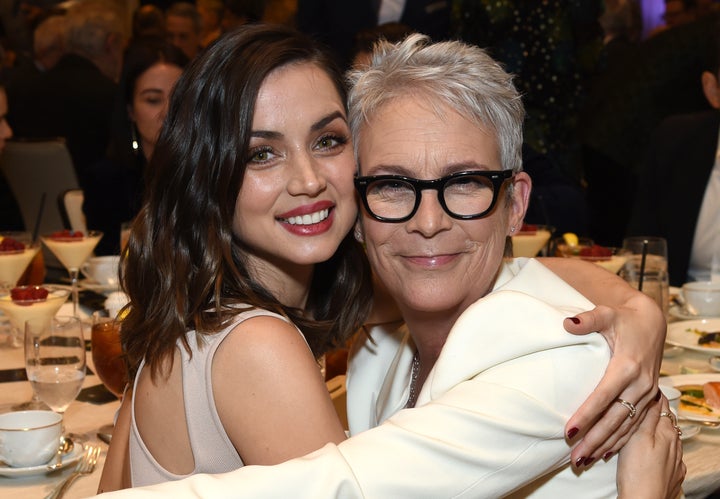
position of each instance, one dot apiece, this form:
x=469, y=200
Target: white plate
x=688, y=430
x=679, y=336
x=71, y=458
x=681, y=313
x=692, y=379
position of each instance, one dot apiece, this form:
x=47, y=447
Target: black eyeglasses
x=463, y=195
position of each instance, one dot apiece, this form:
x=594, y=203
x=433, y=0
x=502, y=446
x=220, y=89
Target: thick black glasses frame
x=497, y=177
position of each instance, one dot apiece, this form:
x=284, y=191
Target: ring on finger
x=673, y=421
x=629, y=406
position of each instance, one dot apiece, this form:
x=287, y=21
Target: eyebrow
x=410, y=172
x=318, y=125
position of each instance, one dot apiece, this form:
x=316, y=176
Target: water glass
x=646, y=268
x=55, y=359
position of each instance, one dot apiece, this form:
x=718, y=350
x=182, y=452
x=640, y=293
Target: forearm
x=594, y=282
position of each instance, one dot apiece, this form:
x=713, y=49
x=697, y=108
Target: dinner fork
x=84, y=467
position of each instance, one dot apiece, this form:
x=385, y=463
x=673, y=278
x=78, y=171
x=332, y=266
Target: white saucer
x=681, y=313
x=71, y=458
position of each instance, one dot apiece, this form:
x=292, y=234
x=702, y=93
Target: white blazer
x=489, y=420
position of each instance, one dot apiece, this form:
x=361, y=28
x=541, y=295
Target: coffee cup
x=702, y=298
x=102, y=269
x=29, y=438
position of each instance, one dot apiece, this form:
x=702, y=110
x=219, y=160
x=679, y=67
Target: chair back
x=338, y=393
x=37, y=168
x=70, y=204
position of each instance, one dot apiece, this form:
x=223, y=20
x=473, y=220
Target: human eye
x=390, y=188
x=468, y=184
x=261, y=155
x=331, y=141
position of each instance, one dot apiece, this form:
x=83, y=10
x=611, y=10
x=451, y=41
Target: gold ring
x=673, y=421
x=629, y=406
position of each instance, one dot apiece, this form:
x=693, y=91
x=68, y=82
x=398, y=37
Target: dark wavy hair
x=185, y=269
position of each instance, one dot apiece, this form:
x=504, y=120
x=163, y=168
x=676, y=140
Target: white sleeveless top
x=212, y=449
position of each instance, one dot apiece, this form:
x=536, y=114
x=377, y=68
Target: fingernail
x=579, y=462
x=607, y=455
x=572, y=432
x=574, y=320
x=588, y=461
x=658, y=395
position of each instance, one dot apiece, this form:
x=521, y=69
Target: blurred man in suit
x=679, y=186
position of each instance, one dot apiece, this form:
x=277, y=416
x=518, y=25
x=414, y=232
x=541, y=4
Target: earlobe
x=521, y=196
x=358, y=233
x=711, y=89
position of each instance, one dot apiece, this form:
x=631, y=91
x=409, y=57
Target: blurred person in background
x=211, y=12
x=148, y=20
x=183, y=27
x=682, y=164
x=151, y=67
x=76, y=97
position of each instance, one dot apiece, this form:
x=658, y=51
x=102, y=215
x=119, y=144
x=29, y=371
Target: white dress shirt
x=705, y=255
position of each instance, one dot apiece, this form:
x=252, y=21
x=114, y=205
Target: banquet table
x=82, y=419
x=701, y=453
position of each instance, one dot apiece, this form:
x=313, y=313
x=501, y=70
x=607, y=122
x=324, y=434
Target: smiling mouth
x=309, y=219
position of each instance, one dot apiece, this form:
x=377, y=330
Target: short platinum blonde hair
x=450, y=73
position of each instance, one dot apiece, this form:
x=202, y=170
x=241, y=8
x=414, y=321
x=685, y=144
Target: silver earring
x=133, y=139
x=512, y=229
x=358, y=235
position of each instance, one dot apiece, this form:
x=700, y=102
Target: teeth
x=309, y=219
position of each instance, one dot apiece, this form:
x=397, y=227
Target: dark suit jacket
x=672, y=184
x=336, y=22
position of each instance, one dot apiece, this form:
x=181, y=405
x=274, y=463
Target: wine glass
x=72, y=249
x=55, y=359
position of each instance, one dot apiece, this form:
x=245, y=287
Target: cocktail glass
x=72, y=251
x=14, y=261
x=529, y=240
x=20, y=311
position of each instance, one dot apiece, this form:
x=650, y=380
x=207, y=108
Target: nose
x=430, y=217
x=307, y=177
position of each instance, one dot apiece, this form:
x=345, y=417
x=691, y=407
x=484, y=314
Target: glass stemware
x=72, y=249
x=55, y=359
x=16, y=253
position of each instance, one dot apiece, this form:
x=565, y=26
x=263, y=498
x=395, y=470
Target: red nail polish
x=579, y=461
x=572, y=432
x=574, y=320
x=607, y=455
x=589, y=461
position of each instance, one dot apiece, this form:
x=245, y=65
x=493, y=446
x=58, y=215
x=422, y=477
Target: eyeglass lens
x=466, y=195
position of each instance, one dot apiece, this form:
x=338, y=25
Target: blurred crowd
x=596, y=80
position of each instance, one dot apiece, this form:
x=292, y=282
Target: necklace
x=412, y=398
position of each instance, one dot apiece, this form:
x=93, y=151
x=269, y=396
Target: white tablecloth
x=81, y=418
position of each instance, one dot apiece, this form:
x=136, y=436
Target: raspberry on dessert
x=528, y=229
x=8, y=244
x=26, y=295
x=596, y=252
x=66, y=234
